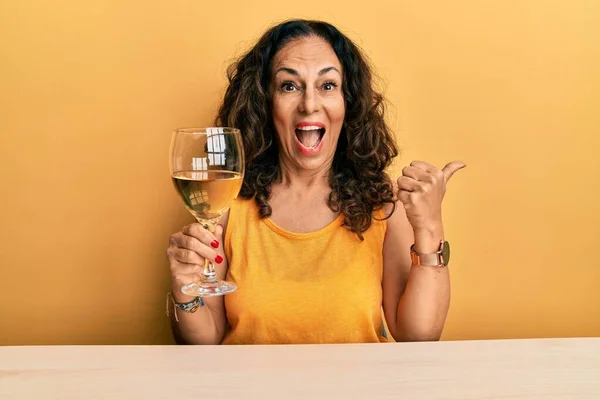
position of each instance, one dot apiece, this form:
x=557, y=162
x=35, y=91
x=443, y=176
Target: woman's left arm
x=416, y=298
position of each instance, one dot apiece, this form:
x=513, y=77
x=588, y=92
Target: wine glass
x=207, y=170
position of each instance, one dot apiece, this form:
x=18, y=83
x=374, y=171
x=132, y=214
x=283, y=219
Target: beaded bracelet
x=189, y=307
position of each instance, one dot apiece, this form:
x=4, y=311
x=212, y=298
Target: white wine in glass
x=207, y=169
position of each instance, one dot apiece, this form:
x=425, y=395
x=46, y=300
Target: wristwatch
x=441, y=258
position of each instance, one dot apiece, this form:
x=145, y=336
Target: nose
x=310, y=102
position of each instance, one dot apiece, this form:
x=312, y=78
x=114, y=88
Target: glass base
x=209, y=289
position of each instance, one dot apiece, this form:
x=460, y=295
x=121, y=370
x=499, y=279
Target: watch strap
x=438, y=259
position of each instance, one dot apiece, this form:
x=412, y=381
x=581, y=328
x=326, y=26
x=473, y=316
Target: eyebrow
x=294, y=72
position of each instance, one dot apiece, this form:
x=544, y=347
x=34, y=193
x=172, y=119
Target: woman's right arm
x=186, y=253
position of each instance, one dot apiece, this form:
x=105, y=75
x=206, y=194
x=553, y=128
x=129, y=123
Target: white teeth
x=309, y=128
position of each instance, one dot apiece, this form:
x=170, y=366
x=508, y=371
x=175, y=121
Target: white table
x=505, y=369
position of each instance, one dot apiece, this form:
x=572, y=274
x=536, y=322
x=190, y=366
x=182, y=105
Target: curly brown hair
x=366, y=147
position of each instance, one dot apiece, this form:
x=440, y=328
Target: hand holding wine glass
x=188, y=251
x=207, y=167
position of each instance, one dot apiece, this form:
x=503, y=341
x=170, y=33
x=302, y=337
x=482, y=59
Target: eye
x=288, y=86
x=329, y=86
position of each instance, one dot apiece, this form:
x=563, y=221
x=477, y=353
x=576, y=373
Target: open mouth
x=310, y=137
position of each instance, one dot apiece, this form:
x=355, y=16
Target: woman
x=323, y=246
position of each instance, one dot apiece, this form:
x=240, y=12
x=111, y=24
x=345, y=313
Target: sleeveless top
x=303, y=288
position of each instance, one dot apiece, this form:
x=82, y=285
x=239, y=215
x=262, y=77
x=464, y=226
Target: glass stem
x=209, y=272
x=209, y=269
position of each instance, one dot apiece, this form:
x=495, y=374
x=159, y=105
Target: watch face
x=446, y=253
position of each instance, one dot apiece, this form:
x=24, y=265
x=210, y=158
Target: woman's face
x=307, y=102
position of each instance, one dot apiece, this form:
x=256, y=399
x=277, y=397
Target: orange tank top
x=303, y=288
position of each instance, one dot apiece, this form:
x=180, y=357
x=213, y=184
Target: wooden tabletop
x=496, y=369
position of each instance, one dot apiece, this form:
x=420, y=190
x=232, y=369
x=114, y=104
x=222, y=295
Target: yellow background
x=91, y=90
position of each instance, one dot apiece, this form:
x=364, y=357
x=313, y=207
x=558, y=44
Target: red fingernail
x=218, y=259
x=214, y=244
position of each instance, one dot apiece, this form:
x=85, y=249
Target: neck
x=302, y=180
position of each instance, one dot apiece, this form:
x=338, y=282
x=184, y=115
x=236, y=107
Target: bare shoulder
x=399, y=229
x=236, y=206
x=224, y=220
